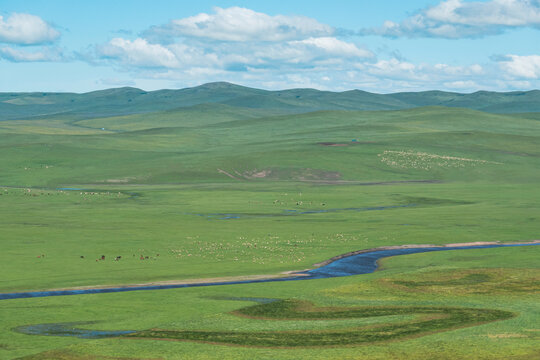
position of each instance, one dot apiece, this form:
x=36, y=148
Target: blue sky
x=384, y=46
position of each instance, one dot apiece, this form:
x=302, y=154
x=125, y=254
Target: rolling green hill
x=203, y=143
x=123, y=101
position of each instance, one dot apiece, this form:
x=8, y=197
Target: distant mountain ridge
x=128, y=100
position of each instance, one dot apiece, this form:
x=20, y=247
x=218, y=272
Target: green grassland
x=226, y=190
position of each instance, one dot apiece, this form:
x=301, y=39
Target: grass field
x=211, y=191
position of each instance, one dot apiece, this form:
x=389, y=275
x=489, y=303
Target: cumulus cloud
x=26, y=29
x=402, y=70
x=231, y=56
x=523, y=67
x=333, y=46
x=138, y=53
x=388, y=75
x=474, y=69
x=20, y=55
x=233, y=39
x=460, y=84
x=454, y=19
x=394, y=69
x=240, y=24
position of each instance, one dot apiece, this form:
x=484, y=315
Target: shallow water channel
x=70, y=330
x=357, y=264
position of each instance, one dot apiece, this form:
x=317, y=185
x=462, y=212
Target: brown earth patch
x=316, y=174
x=224, y=279
x=298, y=174
x=331, y=144
x=328, y=143
x=373, y=183
x=506, y=281
x=257, y=174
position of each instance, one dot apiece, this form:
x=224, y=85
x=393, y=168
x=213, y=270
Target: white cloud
x=518, y=85
x=234, y=56
x=309, y=52
x=18, y=55
x=395, y=69
x=26, y=29
x=334, y=47
x=455, y=19
x=196, y=55
x=241, y=24
x=495, y=12
x=525, y=67
x=422, y=75
x=232, y=40
x=474, y=69
x=468, y=84
x=139, y=53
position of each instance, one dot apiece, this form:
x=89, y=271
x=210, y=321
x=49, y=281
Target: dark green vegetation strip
x=432, y=319
x=471, y=279
x=478, y=281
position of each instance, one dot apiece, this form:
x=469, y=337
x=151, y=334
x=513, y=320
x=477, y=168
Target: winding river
x=361, y=262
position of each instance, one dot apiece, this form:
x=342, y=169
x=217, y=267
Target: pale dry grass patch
x=259, y=250
x=411, y=159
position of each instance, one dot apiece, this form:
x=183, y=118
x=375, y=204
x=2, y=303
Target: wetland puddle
x=230, y=216
x=68, y=329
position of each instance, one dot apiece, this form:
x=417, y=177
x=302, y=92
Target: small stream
x=357, y=264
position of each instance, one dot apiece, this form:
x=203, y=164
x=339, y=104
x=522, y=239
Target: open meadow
x=223, y=190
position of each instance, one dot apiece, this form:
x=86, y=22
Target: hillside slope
x=124, y=101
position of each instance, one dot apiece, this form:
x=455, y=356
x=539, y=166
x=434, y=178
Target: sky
x=378, y=46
